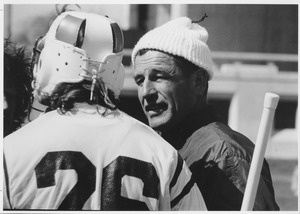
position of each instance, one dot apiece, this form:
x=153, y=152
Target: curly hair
x=65, y=95
x=17, y=72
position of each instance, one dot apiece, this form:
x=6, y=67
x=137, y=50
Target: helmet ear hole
x=81, y=33
x=71, y=30
x=118, y=38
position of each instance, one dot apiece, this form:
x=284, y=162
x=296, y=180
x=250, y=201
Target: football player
x=84, y=153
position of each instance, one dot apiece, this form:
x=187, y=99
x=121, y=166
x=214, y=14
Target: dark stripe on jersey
x=177, y=171
x=6, y=181
x=184, y=192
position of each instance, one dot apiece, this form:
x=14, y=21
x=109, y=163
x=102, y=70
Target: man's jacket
x=219, y=159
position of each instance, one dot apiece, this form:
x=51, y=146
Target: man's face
x=165, y=93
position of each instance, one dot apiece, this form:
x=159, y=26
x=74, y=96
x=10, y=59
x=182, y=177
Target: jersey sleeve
x=185, y=195
x=6, y=203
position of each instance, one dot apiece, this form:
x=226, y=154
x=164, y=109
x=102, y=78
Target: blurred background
x=254, y=48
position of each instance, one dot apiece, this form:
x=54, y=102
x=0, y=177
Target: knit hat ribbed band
x=179, y=37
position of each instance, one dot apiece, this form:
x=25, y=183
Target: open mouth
x=155, y=109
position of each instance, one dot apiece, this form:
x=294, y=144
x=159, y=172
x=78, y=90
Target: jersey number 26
x=112, y=175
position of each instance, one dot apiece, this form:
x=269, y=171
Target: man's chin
x=159, y=124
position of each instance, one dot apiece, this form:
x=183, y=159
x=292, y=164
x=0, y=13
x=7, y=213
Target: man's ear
x=200, y=83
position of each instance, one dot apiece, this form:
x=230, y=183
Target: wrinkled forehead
x=154, y=60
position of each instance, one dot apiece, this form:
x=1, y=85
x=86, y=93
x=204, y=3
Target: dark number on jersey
x=113, y=173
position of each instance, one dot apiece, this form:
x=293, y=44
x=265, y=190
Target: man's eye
x=138, y=81
x=157, y=77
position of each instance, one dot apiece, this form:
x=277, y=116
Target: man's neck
x=178, y=135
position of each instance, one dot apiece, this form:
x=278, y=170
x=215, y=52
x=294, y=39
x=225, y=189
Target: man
x=17, y=87
x=85, y=154
x=172, y=67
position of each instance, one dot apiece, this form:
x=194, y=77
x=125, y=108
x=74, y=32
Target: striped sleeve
x=185, y=194
x=6, y=202
x=177, y=171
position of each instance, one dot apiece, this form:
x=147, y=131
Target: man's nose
x=148, y=89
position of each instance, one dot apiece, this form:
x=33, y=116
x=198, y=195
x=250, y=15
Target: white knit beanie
x=179, y=37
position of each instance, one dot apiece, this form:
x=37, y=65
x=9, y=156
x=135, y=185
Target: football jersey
x=83, y=160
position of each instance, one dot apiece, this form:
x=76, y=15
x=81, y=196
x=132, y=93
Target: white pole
x=178, y=10
x=270, y=105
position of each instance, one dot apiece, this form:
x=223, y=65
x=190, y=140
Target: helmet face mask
x=79, y=46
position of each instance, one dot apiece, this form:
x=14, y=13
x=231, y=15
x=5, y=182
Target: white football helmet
x=79, y=46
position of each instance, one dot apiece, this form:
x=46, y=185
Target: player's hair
x=17, y=72
x=65, y=95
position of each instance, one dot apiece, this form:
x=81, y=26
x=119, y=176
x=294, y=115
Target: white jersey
x=85, y=161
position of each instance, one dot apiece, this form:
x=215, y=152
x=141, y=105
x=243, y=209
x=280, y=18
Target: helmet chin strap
x=94, y=79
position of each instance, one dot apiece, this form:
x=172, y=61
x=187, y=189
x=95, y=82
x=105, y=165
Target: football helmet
x=79, y=46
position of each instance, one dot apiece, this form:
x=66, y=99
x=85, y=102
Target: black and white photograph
x=188, y=106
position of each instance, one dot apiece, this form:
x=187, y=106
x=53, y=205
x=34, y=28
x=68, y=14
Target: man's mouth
x=155, y=109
